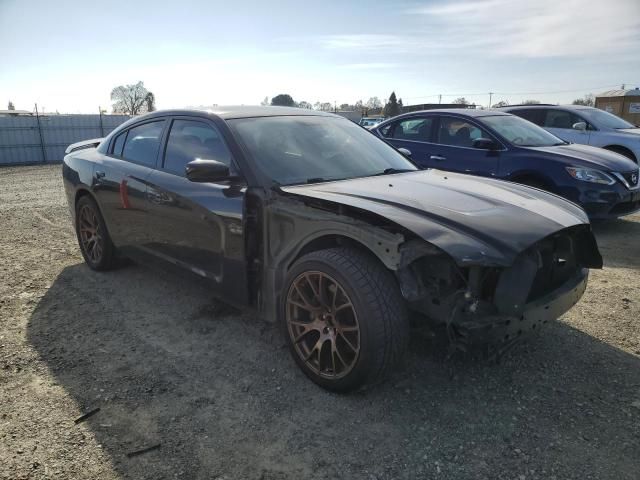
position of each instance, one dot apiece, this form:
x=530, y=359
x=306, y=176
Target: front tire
x=345, y=320
x=95, y=244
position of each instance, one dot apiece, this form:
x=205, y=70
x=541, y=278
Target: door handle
x=100, y=174
x=437, y=158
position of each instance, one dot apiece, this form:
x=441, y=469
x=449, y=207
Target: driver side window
x=190, y=140
x=458, y=133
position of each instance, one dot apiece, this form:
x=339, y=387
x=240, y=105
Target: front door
x=453, y=148
x=198, y=226
x=561, y=122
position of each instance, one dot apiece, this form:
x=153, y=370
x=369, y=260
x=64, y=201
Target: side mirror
x=207, y=171
x=406, y=152
x=582, y=126
x=484, y=144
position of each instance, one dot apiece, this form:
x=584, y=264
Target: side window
x=142, y=143
x=118, y=143
x=458, y=133
x=189, y=140
x=560, y=119
x=535, y=115
x=386, y=130
x=416, y=129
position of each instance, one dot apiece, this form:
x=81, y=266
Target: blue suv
x=500, y=145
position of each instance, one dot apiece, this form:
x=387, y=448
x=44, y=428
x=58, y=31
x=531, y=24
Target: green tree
x=11, y=106
x=132, y=99
x=588, y=100
x=391, y=109
x=150, y=100
x=400, y=105
x=283, y=100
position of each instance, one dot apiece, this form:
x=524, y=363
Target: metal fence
x=43, y=139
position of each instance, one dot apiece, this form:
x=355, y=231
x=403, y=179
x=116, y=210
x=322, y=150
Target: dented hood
x=475, y=220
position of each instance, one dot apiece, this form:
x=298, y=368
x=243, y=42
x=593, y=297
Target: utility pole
x=439, y=99
x=490, y=95
x=44, y=155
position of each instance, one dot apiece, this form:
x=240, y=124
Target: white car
x=586, y=125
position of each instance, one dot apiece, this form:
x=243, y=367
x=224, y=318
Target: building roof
x=15, y=112
x=630, y=92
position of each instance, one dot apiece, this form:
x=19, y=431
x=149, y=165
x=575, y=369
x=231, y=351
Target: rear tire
x=95, y=244
x=345, y=320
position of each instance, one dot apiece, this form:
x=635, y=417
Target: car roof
x=246, y=112
x=469, y=112
x=535, y=106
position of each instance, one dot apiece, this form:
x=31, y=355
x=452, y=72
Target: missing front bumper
x=505, y=329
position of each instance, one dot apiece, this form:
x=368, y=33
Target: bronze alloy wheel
x=90, y=233
x=323, y=324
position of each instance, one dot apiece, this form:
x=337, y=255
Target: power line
x=513, y=93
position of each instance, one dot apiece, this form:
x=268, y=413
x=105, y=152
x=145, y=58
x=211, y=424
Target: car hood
x=475, y=220
x=587, y=156
x=632, y=131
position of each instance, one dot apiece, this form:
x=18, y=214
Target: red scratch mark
x=124, y=194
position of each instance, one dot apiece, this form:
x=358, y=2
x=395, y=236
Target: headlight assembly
x=591, y=175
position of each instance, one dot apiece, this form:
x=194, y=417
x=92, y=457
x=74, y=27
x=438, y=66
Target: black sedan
x=316, y=223
x=496, y=144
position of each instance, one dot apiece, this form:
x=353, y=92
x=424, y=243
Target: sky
x=69, y=55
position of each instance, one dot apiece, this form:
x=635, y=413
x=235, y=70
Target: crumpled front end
x=498, y=305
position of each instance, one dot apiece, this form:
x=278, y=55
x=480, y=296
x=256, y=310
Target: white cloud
x=543, y=28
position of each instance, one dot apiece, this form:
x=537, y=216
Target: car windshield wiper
x=389, y=171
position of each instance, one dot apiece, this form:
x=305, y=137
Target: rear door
x=453, y=148
x=413, y=133
x=120, y=181
x=198, y=226
x=560, y=123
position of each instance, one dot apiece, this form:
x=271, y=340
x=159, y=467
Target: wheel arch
x=622, y=150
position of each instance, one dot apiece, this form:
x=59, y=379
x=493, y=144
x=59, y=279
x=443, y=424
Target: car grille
x=632, y=178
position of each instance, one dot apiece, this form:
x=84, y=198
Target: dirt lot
x=168, y=365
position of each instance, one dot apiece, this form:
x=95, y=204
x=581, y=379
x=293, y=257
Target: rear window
x=143, y=142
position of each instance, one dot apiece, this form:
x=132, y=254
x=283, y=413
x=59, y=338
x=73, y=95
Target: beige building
x=623, y=103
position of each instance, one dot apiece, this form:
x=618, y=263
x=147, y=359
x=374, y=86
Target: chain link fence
x=29, y=139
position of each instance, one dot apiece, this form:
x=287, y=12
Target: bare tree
x=304, y=104
x=531, y=102
x=501, y=103
x=373, y=103
x=11, y=106
x=132, y=99
x=461, y=101
x=588, y=100
x=265, y=102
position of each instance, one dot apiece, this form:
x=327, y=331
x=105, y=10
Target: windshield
x=307, y=149
x=602, y=119
x=520, y=132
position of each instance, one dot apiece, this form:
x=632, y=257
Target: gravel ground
x=218, y=391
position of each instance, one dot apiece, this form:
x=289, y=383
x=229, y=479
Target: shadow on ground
x=618, y=242
x=221, y=395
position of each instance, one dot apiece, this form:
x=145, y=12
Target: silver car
x=585, y=125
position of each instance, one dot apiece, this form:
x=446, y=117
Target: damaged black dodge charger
x=318, y=224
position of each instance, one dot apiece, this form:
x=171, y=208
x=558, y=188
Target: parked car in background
x=320, y=225
x=370, y=122
x=496, y=144
x=585, y=125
